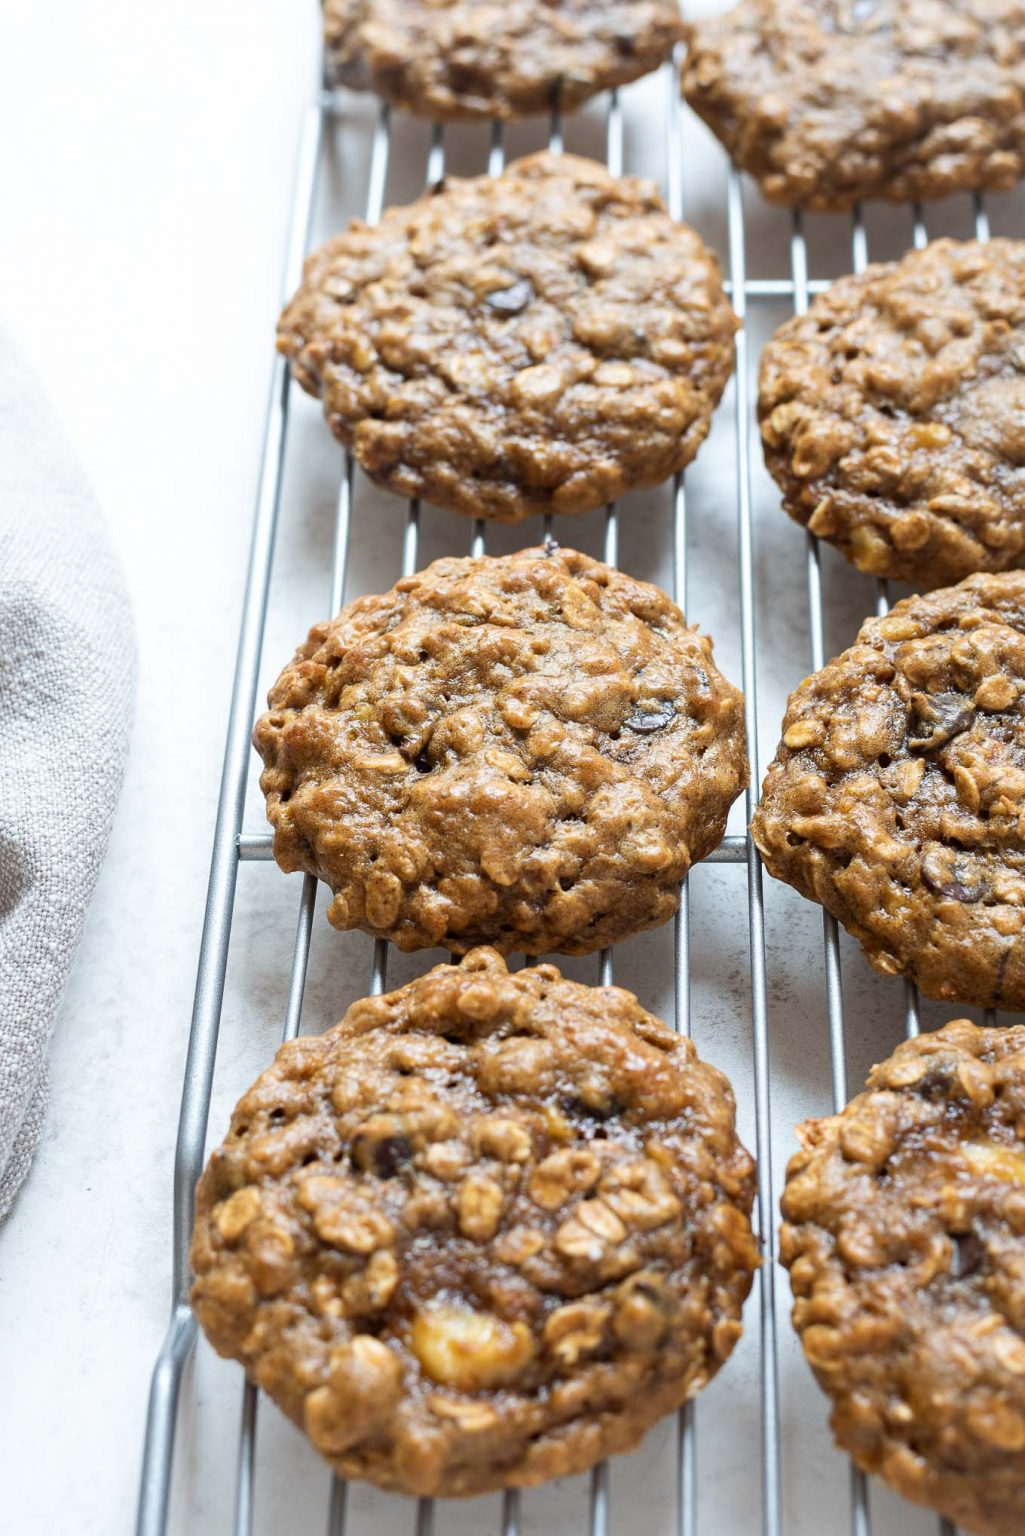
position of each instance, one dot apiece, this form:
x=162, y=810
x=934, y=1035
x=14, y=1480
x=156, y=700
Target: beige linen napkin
x=66, y=686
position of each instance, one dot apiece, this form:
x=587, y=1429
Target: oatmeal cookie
x=893, y=413
x=539, y=341
x=826, y=102
x=904, y=1235
x=483, y=1232
x=897, y=796
x=528, y=750
x=446, y=59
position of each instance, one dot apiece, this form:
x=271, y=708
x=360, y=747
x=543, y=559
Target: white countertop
x=147, y=165
x=147, y=161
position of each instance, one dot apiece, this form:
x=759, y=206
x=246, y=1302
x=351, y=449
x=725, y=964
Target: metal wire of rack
x=233, y=846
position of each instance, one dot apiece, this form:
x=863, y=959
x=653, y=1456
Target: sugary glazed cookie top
x=893, y=413
x=897, y=796
x=528, y=750
x=447, y=59
x=905, y=1238
x=482, y=1232
x=827, y=102
x=539, y=341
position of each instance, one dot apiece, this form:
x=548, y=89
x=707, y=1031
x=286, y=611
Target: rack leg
x=161, y=1418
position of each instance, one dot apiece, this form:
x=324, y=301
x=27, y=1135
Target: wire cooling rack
x=325, y=121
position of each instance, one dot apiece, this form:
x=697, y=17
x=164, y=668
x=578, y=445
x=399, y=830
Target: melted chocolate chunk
x=512, y=300
x=940, y=718
x=645, y=721
x=969, y=1252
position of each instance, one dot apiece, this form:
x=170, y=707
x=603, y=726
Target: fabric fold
x=67, y=675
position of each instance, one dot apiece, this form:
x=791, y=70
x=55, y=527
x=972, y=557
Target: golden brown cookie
x=904, y=1235
x=826, y=102
x=897, y=795
x=893, y=413
x=527, y=750
x=448, y=59
x=539, y=341
x=483, y=1232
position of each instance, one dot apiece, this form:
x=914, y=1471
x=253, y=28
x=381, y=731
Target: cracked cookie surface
x=904, y=1234
x=893, y=413
x=447, y=59
x=897, y=796
x=826, y=102
x=483, y=1232
x=539, y=341
x=528, y=750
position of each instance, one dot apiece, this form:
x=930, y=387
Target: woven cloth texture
x=67, y=669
